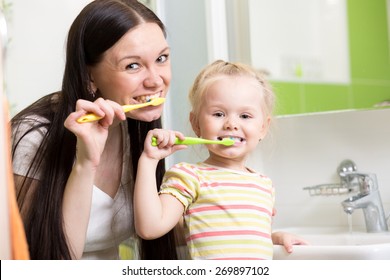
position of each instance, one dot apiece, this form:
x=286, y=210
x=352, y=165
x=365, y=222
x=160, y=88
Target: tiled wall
x=369, y=67
x=305, y=150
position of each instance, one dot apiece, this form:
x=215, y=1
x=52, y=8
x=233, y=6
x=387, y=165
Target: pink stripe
x=242, y=258
x=188, y=171
x=178, y=187
x=239, y=185
x=225, y=233
x=226, y=207
x=207, y=168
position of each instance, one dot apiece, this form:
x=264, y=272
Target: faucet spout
x=368, y=198
x=372, y=207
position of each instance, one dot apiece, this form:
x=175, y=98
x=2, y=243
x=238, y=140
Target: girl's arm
x=155, y=214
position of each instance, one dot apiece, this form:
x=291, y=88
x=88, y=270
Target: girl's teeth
x=236, y=139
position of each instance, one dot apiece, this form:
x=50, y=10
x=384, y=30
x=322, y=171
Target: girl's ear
x=194, y=124
x=265, y=127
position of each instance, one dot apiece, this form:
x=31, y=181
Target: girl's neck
x=238, y=165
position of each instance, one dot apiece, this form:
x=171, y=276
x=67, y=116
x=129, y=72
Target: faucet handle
x=346, y=165
x=367, y=181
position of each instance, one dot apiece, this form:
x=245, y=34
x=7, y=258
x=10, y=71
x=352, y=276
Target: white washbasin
x=336, y=243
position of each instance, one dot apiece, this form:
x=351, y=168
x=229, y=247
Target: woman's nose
x=153, y=78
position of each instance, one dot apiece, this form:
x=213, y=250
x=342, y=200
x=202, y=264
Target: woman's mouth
x=147, y=98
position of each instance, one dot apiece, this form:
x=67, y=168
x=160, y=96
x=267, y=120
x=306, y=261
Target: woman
x=74, y=181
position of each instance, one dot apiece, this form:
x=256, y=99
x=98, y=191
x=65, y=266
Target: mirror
x=321, y=55
x=292, y=45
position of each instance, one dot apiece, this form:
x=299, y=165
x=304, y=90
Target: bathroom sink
x=336, y=243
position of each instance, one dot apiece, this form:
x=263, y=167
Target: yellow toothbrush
x=194, y=140
x=126, y=108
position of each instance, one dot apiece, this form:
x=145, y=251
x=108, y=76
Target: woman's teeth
x=146, y=98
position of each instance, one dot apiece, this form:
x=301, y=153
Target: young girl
x=227, y=207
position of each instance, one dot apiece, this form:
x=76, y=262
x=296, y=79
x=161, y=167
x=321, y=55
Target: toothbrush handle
x=88, y=118
x=191, y=141
x=186, y=141
x=154, y=141
x=92, y=117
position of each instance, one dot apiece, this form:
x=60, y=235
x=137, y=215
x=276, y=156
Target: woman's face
x=134, y=70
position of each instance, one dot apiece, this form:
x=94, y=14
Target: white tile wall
x=306, y=150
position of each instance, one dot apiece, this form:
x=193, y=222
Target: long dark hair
x=96, y=29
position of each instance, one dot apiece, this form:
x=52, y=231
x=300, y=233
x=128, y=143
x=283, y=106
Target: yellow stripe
x=230, y=226
x=234, y=242
x=245, y=251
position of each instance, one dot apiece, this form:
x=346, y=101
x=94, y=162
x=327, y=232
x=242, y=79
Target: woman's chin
x=145, y=116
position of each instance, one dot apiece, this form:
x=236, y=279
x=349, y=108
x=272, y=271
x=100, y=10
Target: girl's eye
x=245, y=116
x=218, y=114
x=132, y=66
x=162, y=58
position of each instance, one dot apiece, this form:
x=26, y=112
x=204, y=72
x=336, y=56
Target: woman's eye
x=132, y=66
x=162, y=58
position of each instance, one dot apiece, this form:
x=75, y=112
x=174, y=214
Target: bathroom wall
x=305, y=150
x=35, y=59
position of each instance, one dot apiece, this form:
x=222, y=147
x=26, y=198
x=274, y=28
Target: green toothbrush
x=194, y=140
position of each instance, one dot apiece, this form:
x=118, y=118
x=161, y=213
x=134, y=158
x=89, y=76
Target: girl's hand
x=92, y=136
x=165, y=143
x=287, y=240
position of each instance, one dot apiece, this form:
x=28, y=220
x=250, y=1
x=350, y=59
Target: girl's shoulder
x=195, y=167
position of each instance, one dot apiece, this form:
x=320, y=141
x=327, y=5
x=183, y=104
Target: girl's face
x=134, y=70
x=232, y=108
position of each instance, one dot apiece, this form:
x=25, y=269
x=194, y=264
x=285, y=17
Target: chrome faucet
x=368, y=199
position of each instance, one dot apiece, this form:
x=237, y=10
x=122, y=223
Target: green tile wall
x=369, y=65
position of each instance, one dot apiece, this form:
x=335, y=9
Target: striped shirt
x=228, y=213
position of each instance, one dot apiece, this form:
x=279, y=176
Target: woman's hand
x=92, y=136
x=287, y=240
x=165, y=143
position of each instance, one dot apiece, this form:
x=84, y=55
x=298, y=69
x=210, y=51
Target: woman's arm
x=155, y=214
x=76, y=206
x=91, y=140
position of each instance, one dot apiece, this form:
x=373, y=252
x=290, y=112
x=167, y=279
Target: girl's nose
x=230, y=124
x=153, y=78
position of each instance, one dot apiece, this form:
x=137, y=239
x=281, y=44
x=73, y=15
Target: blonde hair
x=220, y=69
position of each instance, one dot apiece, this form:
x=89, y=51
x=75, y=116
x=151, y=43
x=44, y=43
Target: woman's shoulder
x=34, y=125
x=31, y=119
x=27, y=136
